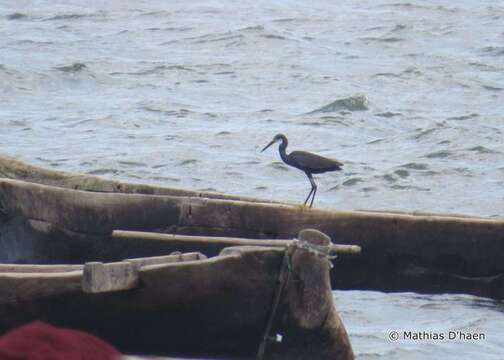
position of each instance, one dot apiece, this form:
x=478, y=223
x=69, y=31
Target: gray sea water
x=408, y=94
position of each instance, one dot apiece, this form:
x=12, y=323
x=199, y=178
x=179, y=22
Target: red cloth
x=40, y=341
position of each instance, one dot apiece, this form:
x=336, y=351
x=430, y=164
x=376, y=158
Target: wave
x=439, y=154
x=278, y=166
x=492, y=88
x=352, y=103
x=67, y=16
x=408, y=187
x=422, y=133
x=273, y=37
x=352, y=181
x=132, y=163
x=403, y=174
x=187, y=162
x=11, y=76
x=463, y=117
x=483, y=150
x=159, y=69
x=388, y=114
x=231, y=37
x=211, y=38
x=16, y=16
x=415, y=166
x=74, y=16
x=73, y=68
x=256, y=28
x=385, y=39
x=104, y=171
x=493, y=50
x=405, y=74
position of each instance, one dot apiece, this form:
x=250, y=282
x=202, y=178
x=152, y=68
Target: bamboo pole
x=207, y=240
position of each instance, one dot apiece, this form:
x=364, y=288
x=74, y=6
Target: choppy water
x=371, y=317
x=408, y=94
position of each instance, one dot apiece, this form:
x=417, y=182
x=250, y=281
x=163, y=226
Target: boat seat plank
x=166, y=259
x=99, y=277
x=25, y=268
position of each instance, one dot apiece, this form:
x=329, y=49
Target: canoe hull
x=401, y=252
x=219, y=305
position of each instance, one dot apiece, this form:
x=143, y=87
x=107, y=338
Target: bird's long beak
x=267, y=146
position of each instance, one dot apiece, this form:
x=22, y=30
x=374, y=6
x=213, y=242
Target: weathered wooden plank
x=144, y=261
x=23, y=268
x=12, y=168
x=99, y=277
x=21, y=287
x=167, y=259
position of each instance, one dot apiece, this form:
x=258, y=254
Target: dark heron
x=305, y=161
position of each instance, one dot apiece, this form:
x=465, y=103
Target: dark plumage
x=305, y=161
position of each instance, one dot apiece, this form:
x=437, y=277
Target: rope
x=283, y=279
x=319, y=250
x=323, y=251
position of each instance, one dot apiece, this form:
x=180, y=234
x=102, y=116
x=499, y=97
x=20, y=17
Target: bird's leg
x=314, y=189
x=313, y=195
x=309, y=194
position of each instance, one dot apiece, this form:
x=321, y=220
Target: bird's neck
x=282, y=150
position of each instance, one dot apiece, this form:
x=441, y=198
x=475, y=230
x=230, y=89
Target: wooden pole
x=141, y=235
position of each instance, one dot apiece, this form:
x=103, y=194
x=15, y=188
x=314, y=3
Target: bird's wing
x=313, y=161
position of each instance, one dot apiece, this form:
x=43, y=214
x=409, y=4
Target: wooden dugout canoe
x=189, y=304
x=401, y=252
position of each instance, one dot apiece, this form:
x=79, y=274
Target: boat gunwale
x=34, y=172
x=314, y=212
x=42, y=174
x=79, y=269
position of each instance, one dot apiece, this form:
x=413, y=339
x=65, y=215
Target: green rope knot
x=323, y=251
x=319, y=250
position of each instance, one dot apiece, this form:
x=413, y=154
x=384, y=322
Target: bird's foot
x=303, y=206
